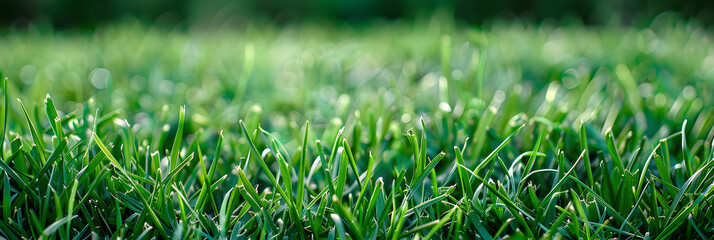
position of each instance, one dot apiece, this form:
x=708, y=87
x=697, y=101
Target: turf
x=425, y=129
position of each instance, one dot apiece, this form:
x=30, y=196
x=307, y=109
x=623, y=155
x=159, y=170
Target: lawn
x=427, y=129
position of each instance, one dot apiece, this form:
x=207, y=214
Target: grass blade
x=301, y=169
x=147, y=206
x=177, y=140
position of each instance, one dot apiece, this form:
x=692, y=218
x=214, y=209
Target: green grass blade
x=338, y=225
x=177, y=168
x=644, y=170
x=373, y=200
x=466, y=190
x=53, y=117
x=679, y=219
x=341, y=173
x=147, y=206
x=419, y=228
x=301, y=169
x=4, y=117
x=584, y=146
x=6, y=200
x=515, y=210
x=683, y=189
x=685, y=151
x=614, y=154
x=52, y=228
x=285, y=174
x=444, y=220
x=36, y=137
x=53, y=157
x=417, y=183
x=177, y=140
x=262, y=162
x=481, y=69
x=344, y=213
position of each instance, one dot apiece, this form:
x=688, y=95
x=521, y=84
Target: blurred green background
x=89, y=13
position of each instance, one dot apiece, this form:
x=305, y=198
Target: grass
x=511, y=131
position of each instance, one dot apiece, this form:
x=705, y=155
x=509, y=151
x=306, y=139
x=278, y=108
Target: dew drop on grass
x=256, y=109
x=100, y=78
x=336, y=121
x=406, y=118
x=444, y=106
x=678, y=166
x=551, y=92
x=570, y=79
x=499, y=96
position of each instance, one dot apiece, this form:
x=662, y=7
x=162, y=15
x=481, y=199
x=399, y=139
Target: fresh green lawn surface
x=425, y=129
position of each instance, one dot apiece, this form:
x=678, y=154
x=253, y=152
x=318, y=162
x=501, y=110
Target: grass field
x=425, y=129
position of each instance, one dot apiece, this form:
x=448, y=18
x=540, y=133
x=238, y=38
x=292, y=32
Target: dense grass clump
x=516, y=131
